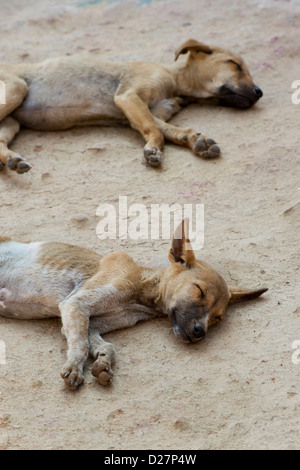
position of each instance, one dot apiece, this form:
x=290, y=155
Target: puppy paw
x=206, y=148
x=153, y=156
x=102, y=371
x=18, y=164
x=72, y=376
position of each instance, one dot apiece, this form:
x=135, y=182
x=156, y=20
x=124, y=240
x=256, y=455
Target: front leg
x=201, y=145
x=75, y=319
x=91, y=299
x=141, y=119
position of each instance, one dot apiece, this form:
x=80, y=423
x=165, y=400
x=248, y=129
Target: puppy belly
x=27, y=311
x=46, y=117
x=60, y=104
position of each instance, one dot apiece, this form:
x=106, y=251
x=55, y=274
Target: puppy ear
x=238, y=294
x=193, y=46
x=181, y=250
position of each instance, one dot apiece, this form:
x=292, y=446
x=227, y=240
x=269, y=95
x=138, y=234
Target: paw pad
x=18, y=164
x=102, y=371
x=153, y=157
x=206, y=148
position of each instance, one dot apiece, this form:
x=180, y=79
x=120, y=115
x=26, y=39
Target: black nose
x=258, y=92
x=198, y=331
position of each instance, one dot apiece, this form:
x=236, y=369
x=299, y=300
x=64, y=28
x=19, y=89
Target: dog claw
x=73, y=377
x=74, y=384
x=153, y=157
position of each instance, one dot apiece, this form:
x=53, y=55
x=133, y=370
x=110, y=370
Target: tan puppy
x=40, y=280
x=79, y=90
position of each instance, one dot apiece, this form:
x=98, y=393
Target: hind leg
x=75, y=320
x=9, y=127
x=105, y=355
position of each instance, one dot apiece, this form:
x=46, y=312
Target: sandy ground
x=239, y=388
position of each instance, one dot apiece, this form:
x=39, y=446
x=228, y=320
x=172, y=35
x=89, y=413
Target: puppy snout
x=258, y=92
x=198, y=331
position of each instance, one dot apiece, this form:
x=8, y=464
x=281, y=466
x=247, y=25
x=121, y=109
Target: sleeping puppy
x=94, y=295
x=70, y=91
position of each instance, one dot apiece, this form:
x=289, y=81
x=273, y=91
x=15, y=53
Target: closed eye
x=201, y=291
x=235, y=63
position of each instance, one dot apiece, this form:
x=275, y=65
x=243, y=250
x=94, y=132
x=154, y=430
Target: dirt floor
x=238, y=389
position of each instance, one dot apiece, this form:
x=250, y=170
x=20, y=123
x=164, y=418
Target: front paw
x=102, y=371
x=72, y=376
x=18, y=164
x=153, y=156
x=206, y=148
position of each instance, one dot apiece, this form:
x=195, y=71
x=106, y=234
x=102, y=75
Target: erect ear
x=238, y=294
x=193, y=46
x=181, y=250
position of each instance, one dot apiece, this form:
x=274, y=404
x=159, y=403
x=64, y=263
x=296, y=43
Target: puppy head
x=195, y=295
x=217, y=73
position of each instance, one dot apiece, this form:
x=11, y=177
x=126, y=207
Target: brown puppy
x=40, y=280
x=61, y=93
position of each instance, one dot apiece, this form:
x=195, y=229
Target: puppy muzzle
x=243, y=97
x=195, y=333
